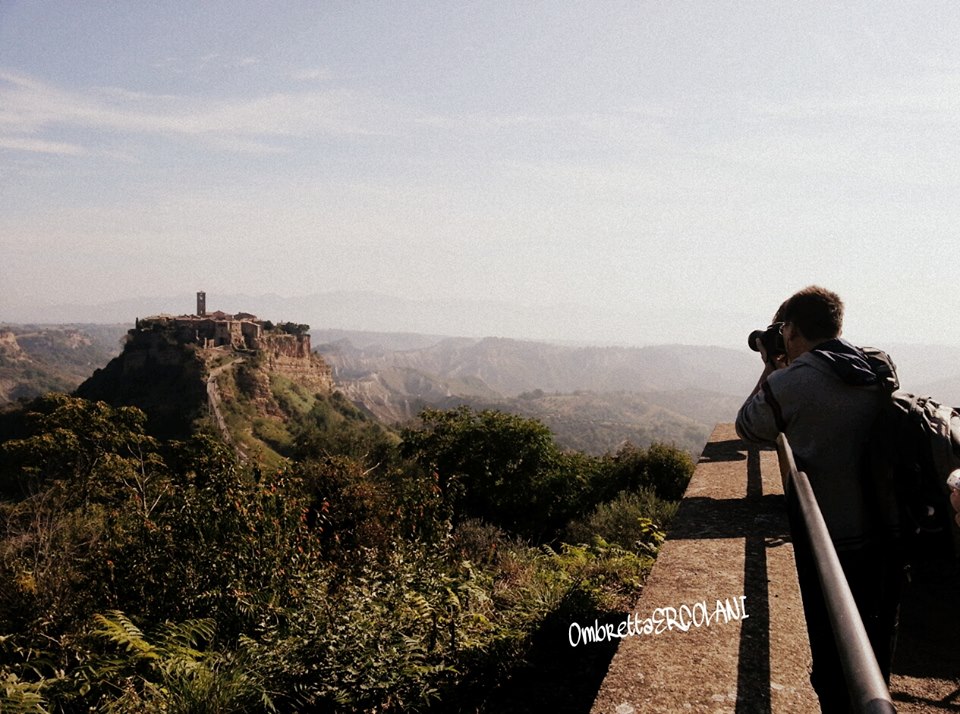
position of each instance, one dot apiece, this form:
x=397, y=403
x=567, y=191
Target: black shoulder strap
x=775, y=406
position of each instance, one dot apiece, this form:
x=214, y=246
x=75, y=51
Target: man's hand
x=770, y=365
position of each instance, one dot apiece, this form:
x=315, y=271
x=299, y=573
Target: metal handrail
x=868, y=691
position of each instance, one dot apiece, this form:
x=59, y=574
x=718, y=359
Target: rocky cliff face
x=12, y=361
x=291, y=356
x=158, y=374
x=178, y=383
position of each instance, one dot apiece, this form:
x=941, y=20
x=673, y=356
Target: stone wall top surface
x=728, y=629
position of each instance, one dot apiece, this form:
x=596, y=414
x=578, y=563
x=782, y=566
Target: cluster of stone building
x=241, y=331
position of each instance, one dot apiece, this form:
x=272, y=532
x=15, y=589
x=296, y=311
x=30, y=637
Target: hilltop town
x=241, y=331
x=179, y=368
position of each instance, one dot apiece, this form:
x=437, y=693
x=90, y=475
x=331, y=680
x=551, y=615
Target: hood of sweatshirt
x=847, y=361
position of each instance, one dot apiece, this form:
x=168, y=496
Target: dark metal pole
x=868, y=691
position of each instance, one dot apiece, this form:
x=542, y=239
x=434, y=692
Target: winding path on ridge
x=213, y=401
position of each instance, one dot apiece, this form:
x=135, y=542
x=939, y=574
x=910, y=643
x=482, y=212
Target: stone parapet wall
x=728, y=632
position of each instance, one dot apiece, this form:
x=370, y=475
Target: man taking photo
x=822, y=393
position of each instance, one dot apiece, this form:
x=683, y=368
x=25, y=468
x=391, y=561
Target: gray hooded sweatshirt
x=825, y=401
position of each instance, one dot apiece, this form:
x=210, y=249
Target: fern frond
x=418, y=604
x=119, y=629
x=18, y=697
x=186, y=638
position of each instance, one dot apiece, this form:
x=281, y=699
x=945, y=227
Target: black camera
x=771, y=339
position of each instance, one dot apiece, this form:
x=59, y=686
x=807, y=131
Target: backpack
x=913, y=448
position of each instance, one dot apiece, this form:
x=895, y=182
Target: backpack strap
x=774, y=406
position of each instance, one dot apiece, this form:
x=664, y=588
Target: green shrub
x=625, y=521
x=665, y=469
x=334, y=427
x=502, y=468
x=376, y=639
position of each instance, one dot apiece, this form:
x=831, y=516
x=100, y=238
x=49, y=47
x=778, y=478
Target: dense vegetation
x=437, y=571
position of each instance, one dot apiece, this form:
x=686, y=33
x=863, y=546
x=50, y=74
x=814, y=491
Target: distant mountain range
x=510, y=367
x=594, y=398
x=373, y=311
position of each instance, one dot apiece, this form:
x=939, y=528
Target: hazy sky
x=695, y=161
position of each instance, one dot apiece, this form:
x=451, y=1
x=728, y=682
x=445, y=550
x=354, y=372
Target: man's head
x=811, y=316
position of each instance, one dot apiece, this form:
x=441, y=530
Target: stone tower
x=201, y=304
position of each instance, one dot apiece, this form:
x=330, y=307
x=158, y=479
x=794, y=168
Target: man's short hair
x=815, y=311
